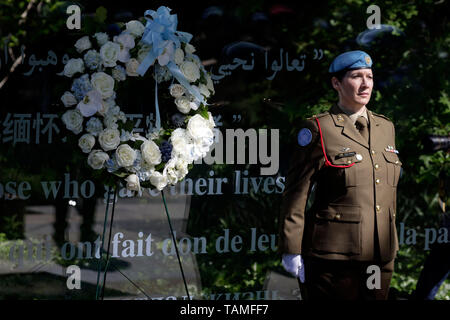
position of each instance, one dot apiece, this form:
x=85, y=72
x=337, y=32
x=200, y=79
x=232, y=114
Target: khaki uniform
x=353, y=213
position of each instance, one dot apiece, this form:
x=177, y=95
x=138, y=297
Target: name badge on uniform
x=304, y=137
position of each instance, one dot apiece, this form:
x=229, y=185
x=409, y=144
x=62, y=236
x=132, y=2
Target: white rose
x=73, y=66
x=190, y=71
x=133, y=183
x=86, y=142
x=131, y=67
x=179, y=56
x=109, y=139
x=73, y=119
x=176, y=90
x=103, y=83
x=204, y=90
x=158, y=180
x=110, y=53
x=97, y=158
x=101, y=37
x=189, y=48
x=150, y=152
x=68, y=99
x=119, y=74
x=83, y=44
x=135, y=28
x=125, y=155
x=183, y=104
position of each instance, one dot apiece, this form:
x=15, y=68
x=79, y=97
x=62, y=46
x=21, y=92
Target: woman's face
x=355, y=88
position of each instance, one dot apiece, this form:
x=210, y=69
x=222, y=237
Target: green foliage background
x=412, y=88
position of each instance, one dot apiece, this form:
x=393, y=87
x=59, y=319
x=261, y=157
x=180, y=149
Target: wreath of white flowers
x=156, y=50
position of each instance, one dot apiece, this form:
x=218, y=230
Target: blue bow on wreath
x=161, y=26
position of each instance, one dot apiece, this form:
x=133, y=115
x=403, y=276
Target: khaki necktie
x=361, y=125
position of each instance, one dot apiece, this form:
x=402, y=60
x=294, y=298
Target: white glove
x=293, y=263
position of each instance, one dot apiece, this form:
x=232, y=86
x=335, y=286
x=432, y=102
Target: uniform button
x=358, y=157
x=376, y=166
x=373, y=151
x=396, y=161
x=349, y=161
x=377, y=181
x=378, y=208
x=338, y=216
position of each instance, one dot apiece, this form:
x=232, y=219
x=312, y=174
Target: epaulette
x=318, y=115
x=381, y=116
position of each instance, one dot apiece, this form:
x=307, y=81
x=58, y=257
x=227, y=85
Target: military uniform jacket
x=350, y=204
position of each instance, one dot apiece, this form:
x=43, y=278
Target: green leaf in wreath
x=137, y=144
x=160, y=166
x=120, y=174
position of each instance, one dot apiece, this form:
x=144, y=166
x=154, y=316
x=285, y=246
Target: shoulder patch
x=307, y=133
x=304, y=137
x=381, y=116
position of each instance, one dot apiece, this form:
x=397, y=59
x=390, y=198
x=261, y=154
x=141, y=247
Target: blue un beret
x=351, y=60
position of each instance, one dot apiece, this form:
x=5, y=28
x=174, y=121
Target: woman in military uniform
x=344, y=246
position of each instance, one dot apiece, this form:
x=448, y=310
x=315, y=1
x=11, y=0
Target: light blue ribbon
x=161, y=26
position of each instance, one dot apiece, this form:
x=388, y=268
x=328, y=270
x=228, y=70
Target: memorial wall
x=145, y=156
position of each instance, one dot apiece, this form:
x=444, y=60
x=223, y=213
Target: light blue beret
x=351, y=60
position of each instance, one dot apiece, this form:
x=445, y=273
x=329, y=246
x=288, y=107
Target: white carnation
x=73, y=120
x=83, y=44
x=151, y=153
x=73, y=66
x=68, y=99
x=201, y=132
x=109, y=139
x=103, y=83
x=86, y=142
x=175, y=170
x=97, y=158
x=125, y=155
x=182, y=144
x=158, y=180
x=110, y=53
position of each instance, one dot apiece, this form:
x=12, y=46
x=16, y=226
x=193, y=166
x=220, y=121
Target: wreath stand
x=100, y=288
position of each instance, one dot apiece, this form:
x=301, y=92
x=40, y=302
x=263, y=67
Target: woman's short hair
x=340, y=74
